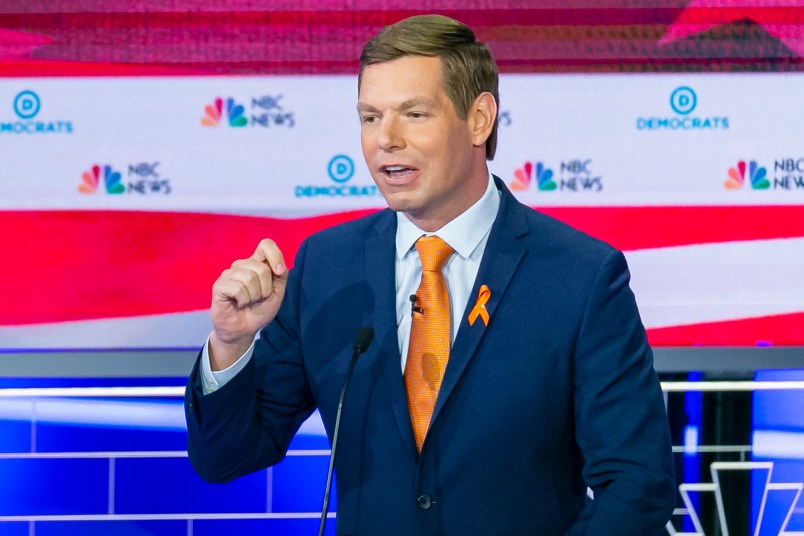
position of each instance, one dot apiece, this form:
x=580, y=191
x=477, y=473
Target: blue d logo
x=341, y=168
x=683, y=100
x=26, y=104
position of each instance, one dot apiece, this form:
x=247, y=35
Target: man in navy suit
x=549, y=418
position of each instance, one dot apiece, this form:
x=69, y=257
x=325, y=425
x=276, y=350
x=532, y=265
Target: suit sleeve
x=248, y=423
x=621, y=421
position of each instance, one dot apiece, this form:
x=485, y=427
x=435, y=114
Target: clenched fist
x=245, y=298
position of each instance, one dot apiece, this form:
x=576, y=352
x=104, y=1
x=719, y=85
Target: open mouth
x=397, y=171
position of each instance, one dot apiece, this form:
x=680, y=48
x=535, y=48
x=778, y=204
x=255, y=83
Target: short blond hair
x=467, y=64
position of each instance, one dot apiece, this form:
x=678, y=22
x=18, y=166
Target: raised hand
x=245, y=298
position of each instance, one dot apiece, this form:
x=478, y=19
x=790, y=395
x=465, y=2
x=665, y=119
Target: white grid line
x=111, y=486
x=696, y=449
x=269, y=489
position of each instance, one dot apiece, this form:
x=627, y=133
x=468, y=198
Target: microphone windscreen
x=363, y=338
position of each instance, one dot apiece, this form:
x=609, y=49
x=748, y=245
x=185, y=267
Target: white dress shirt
x=467, y=235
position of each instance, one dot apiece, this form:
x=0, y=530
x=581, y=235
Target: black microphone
x=363, y=339
x=413, y=307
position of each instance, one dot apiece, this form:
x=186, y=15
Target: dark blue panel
x=56, y=437
x=796, y=523
x=298, y=484
x=8, y=383
x=779, y=411
x=776, y=509
x=110, y=424
x=15, y=436
x=60, y=486
x=268, y=527
x=691, y=463
x=170, y=485
x=14, y=529
x=309, y=442
x=116, y=528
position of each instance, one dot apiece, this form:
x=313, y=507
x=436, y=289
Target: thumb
x=280, y=280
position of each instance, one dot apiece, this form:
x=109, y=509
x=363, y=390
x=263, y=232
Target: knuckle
x=242, y=295
x=262, y=269
x=247, y=277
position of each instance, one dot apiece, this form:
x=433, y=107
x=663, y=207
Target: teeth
x=395, y=168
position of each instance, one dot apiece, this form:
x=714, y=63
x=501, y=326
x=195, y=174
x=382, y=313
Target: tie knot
x=433, y=253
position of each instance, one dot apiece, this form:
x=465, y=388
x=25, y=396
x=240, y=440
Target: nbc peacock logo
x=214, y=113
x=91, y=180
x=756, y=175
x=524, y=176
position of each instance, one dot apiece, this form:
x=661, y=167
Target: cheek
x=459, y=140
x=365, y=142
x=434, y=146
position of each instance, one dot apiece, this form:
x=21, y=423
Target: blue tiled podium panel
x=102, y=466
x=246, y=527
x=170, y=486
x=778, y=438
x=15, y=436
x=298, y=485
x=102, y=528
x=14, y=529
x=118, y=466
x=268, y=527
x=65, y=486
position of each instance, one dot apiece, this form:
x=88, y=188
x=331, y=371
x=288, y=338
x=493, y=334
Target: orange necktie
x=429, y=335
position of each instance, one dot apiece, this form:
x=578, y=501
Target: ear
x=481, y=118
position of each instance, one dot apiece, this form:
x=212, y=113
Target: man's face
x=419, y=152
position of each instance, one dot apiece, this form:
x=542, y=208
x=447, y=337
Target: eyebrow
x=407, y=105
x=418, y=101
x=365, y=107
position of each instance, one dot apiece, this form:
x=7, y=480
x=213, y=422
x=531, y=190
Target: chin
x=397, y=201
x=397, y=206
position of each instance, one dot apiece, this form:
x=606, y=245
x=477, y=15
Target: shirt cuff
x=211, y=380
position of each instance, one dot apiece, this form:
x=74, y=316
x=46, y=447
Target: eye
x=417, y=115
x=368, y=119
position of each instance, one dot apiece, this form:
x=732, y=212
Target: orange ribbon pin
x=480, y=307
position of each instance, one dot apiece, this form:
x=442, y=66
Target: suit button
x=425, y=502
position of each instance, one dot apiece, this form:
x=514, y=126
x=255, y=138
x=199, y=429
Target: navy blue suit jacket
x=557, y=393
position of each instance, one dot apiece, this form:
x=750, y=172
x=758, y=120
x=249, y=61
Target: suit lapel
x=500, y=260
x=380, y=258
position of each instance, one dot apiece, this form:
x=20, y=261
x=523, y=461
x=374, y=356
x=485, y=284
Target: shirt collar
x=463, y=234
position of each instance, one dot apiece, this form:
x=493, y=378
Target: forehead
x=402, y=79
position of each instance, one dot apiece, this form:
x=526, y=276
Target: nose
x=390, y=135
